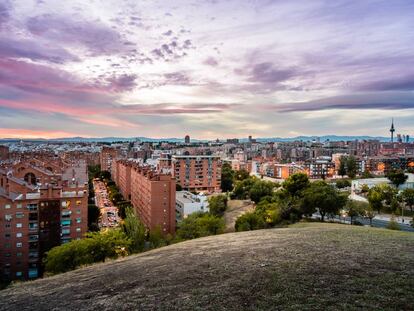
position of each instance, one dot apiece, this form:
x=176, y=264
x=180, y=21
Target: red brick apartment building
x=108, y=154
x=38, y=210
x=4, y=153
x=152, y=194
x=197, y=172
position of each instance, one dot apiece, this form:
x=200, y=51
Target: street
x=109, y=212
x=377, y=221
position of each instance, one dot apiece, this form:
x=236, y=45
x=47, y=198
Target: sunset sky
x=208, y=68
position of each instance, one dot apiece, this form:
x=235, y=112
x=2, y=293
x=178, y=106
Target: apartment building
x=106, y=157
x=153, y=198
x=197, y=172
x=123, y=177
x=4, y=153
x=38, y=211
x=320, y=168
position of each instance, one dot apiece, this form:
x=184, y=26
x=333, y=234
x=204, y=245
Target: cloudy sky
x=208, y=68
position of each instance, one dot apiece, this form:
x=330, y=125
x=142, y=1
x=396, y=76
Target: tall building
x=187, y=139
x=4, y=153
x=392, y=130
x=197, y=172
x=153, y=198
x=107, y=155
x=38, y=210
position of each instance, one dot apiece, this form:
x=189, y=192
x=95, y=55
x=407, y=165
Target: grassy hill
x=304, y=267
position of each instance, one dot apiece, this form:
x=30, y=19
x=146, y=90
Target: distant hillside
x=305, y=267
x=147, y=139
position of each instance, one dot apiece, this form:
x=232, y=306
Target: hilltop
x=307, y=266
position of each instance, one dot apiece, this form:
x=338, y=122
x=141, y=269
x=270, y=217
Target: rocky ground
x=305, y=267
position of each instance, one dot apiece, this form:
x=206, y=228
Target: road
x=379, y=223
x=109, y=212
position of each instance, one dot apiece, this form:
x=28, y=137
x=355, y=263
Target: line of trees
x=131, y=237
x=278, y=205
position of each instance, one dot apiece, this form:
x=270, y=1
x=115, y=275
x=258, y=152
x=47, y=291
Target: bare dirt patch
x=236, y=208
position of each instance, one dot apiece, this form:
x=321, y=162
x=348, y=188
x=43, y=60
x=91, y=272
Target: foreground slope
x=306, y=267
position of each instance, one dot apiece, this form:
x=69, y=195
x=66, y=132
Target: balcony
x=65, y=222
x=33, y=238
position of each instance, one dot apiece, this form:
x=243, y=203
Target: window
x=8, y=225
x=19, y=273
x=78, y=220
x=7, y=235
x=7, y=206
x=19, y=235
x=19, y=254
x=7, y=254
x=19, y=205
x=19, y=215
x=7, y=245
x=19, y=244
x=19, y=225
x=78, y=211
x=78, y=229
x=78, y=202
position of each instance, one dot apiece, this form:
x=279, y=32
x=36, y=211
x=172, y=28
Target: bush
x=393, y=224
x=343, y=183
x=217, y=204
x=250, y=221
x=198, y=225
x=97, y=247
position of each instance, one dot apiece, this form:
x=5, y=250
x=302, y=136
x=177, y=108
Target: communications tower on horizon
x=392, y=130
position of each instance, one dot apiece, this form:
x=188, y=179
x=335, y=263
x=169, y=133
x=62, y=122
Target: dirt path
x=235, y=209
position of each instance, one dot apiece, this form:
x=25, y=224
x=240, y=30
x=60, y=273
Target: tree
x=227, y=176
x=369, y=213
x=375, y=198
x=93, y=217
x=134, y=230
x=105, y=175
x=351, y=167
x=397, y=177
x=408, y=197
x=364, y=189
x=324, y=198
x=296, y=184
x=156, y=237
x=389, y=193
x=242, y=188
x=200, y=224
x=394, y=205
x=367, y=174
x=342, y=166
x=356, y=209
x=241, y=175
x=217, y=204
x=343, y=183
x=261, y=189
x=96, y=247
x=249, y=221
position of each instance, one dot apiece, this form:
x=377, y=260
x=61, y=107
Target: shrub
x=249, y=221
x=393, y=224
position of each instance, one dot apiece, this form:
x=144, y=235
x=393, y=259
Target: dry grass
x=305, y=267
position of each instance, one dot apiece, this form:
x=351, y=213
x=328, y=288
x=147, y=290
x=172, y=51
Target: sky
x=207, y=68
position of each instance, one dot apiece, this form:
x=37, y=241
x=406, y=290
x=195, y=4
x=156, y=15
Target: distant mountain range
x=179, y=140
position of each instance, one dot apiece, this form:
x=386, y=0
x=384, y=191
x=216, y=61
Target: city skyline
x=205, y=68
